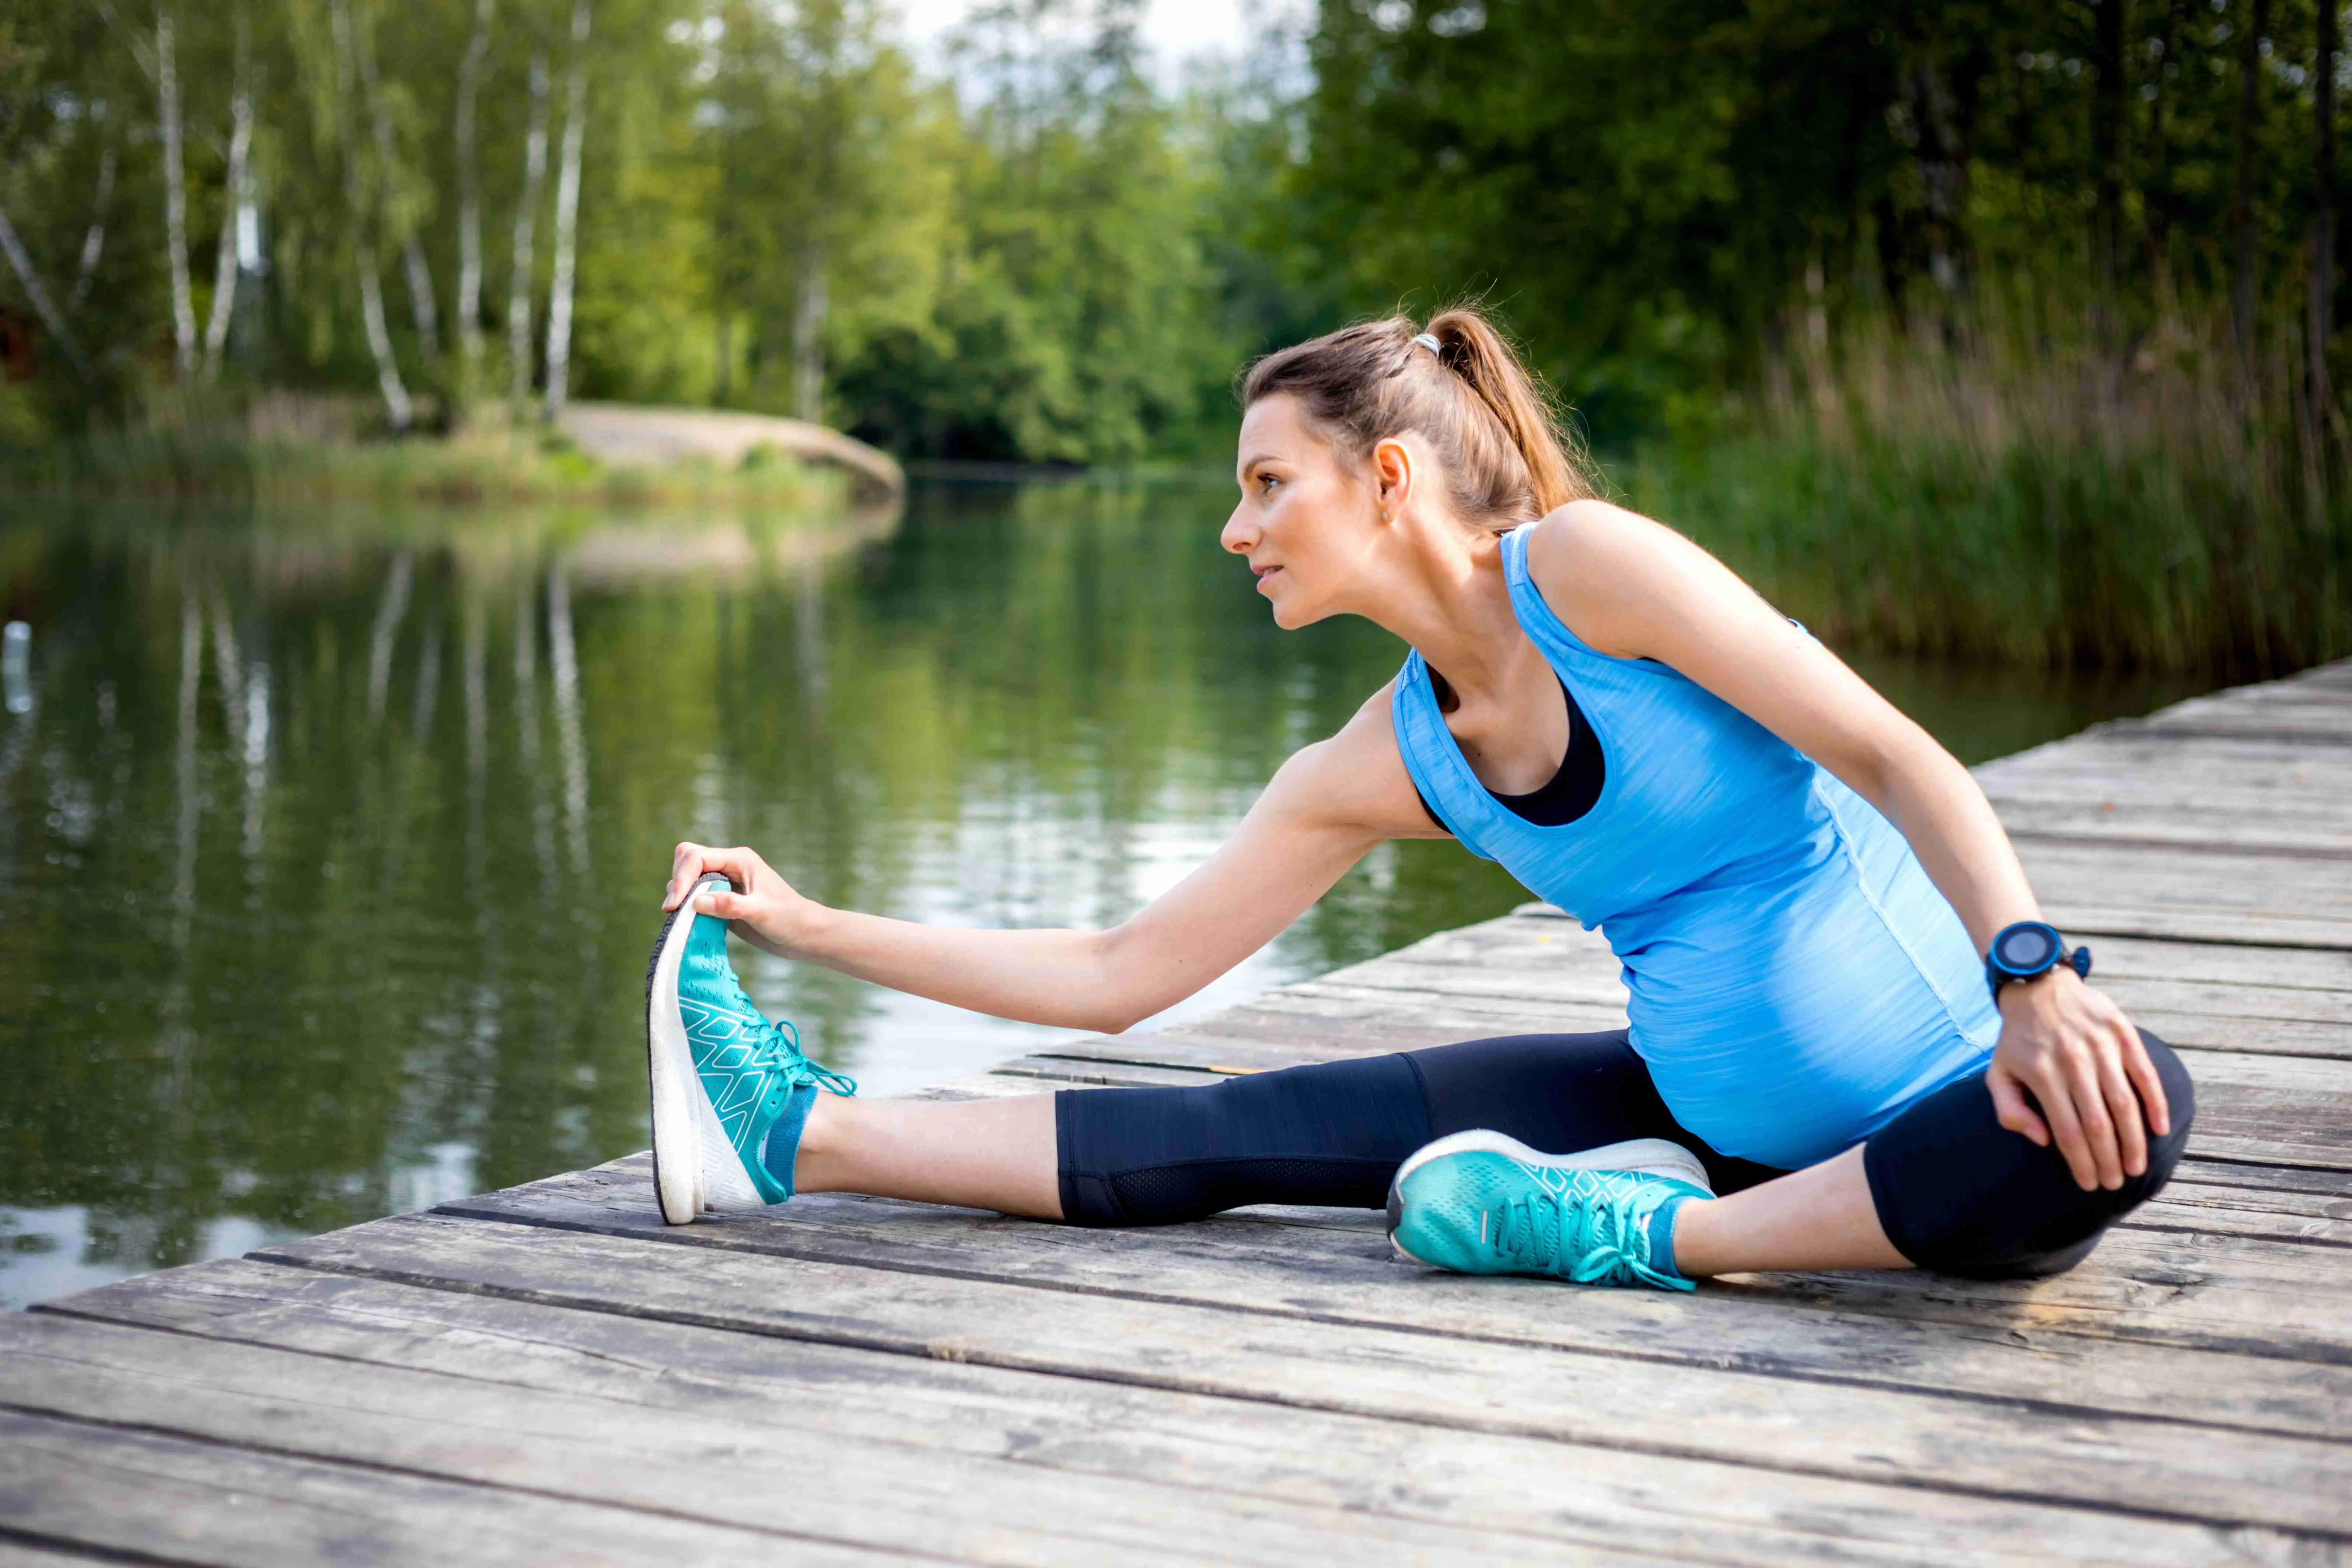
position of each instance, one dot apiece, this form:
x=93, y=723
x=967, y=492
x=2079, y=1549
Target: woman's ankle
x=826, y=1138
x=1686, y=1242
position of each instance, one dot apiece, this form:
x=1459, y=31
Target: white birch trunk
x=240, y=145
x=175, y=196
x=534, y=175
x=469, y=203
x=42, y=304
x=567, y=215
x=809, y=305
x=93, y=243
x=396, y=405
x=422, y=304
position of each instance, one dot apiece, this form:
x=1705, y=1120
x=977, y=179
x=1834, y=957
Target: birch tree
x=175, y=195
x=519, y=281
x=824, y=109
x=469, y=203
x=808, y=331
x=422, y=304
x=2322, y=301
x=567, y=214
x=43, y=305
x=396, y=403
x=234, y=195
x=93, y=240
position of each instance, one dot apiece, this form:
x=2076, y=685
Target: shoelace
x=1530, y=1231
x=781, y=1051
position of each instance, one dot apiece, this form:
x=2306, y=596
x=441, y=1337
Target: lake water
x=330, y=846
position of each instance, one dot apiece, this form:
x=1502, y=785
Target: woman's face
x=1307, y=518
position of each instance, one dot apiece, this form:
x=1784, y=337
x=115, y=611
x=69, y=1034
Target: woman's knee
x=1958, y=1193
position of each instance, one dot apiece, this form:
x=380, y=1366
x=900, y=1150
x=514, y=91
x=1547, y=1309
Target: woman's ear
x=1393, y=473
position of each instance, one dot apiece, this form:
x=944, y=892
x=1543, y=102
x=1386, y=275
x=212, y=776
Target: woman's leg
x=1330, y=1133
x=1818, y=1217
x=1944, y=1186
x=984, y=1153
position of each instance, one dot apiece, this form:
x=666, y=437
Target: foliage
x=1660, y=197
x=779, y=211
x=2015, y=495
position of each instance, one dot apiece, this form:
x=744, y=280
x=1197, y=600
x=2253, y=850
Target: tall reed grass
x=1994, y=492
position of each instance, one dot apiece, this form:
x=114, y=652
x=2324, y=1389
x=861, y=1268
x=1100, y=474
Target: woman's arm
x=1634, y=589
x=1325, y=807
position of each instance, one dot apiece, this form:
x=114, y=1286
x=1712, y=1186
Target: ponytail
x=1505, y=458
x=1472, y=349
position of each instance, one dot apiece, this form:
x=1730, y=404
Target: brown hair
x=1506, y=458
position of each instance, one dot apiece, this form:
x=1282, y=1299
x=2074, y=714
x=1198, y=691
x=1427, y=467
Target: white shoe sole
x=669, y=1067
x=1651, y=1156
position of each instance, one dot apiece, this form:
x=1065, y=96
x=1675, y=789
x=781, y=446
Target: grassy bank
x=284, y=452
x=2010, y=495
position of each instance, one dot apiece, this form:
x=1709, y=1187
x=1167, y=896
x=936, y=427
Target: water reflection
x=329, y=848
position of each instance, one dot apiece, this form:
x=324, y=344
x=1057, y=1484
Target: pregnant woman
x=1853, y=1041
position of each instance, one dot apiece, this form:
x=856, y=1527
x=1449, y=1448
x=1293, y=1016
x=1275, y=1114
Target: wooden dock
x=549, y=1374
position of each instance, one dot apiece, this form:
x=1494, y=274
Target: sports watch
x=2027, y=951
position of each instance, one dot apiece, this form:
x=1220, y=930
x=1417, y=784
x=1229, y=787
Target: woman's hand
x=2081, y=1058
x=763, y=908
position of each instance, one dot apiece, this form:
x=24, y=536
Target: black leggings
x=1955, y=1190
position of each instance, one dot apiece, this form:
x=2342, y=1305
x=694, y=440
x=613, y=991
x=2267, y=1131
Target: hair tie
x=1431, y=343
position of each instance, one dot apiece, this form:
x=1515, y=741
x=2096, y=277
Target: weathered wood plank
x=1078, y=1072
x=145, y=1497
x=2259, y=781
x=21, y=1554
x=2265, y=1178
x=2285, y=792
x=2152, y=756
x=2314, y=718
x=884, y=1494
x=2317, y=1218
x=1113, y=1428
x=2288, y=827
x=1987, y=1447
x=1354, y=1278
x=2209, y=898
x=2279, y=1109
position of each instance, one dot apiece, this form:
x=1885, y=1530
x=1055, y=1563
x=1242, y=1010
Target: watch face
x=2024, y=949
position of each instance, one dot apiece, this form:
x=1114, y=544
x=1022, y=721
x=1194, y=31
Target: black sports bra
x=1569, y=793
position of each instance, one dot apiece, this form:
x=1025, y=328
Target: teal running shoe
x=1480, y=1203
x=727, y=1083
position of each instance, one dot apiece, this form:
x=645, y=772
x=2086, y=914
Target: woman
x=1854, y=1045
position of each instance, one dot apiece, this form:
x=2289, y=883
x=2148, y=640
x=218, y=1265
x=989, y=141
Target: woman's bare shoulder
x=1607, y=571
x=1357, y=776
x=1586, y=533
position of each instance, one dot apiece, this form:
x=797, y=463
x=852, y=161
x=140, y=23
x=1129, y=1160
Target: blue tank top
x=1795, y=979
